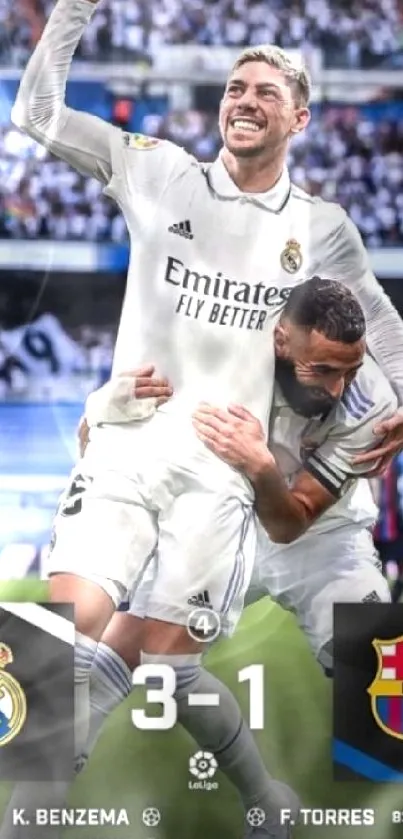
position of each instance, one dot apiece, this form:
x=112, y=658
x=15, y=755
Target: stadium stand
x=353, y=34
x=346, y=155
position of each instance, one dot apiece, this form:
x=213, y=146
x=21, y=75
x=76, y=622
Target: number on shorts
x=72, y=501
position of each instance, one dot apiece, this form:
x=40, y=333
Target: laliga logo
x=386, y=691
x=203, y=766
x=13, y=704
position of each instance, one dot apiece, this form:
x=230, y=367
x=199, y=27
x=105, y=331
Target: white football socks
x=220, y=730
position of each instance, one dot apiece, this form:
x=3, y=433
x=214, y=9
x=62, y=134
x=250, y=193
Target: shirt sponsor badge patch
x=140, y=141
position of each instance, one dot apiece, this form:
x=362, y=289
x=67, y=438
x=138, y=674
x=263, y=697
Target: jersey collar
x=222, y=184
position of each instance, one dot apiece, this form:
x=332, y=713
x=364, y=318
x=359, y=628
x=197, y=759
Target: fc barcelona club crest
x=386, y=690
x=13, y=704
x=291, y=257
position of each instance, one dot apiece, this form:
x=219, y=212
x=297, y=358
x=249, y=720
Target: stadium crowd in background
x=388, y=534
x=351, y=33
x=43, y=361
x=345, y=157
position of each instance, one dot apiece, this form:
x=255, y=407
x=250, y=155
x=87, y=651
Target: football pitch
x=132, y=769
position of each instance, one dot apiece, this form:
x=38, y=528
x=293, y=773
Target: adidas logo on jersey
x=201, y=600
x=183, y=228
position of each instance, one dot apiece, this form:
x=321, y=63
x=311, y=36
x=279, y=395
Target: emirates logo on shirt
x=221, y=300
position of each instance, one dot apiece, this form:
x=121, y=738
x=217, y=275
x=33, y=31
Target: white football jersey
x=327, y=448
x=210, y=270
x=210, y=266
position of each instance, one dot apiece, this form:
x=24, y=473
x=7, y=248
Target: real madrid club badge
x=13, y=704
x=140, y=141
x=291, y=257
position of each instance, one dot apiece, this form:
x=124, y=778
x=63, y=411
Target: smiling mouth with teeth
x=245, y=125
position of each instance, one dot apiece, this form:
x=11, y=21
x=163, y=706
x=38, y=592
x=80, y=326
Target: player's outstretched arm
x=237, y=437
x=81, y=139
x=347, y=261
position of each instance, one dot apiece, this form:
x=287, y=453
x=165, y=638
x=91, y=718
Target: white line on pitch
x=204, y=699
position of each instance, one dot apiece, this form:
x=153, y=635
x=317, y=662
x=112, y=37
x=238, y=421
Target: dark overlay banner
x=36, y=691
x=368, y=692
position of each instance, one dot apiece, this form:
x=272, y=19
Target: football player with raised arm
x=215, y=252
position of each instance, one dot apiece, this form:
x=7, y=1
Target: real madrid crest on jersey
x=13, y=704
x=291, y=257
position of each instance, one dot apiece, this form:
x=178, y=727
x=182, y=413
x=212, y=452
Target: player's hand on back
x=234, y=435
x=390, y=443
x=147, y=384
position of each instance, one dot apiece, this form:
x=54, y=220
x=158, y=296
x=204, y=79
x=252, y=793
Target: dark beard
x=304, y=400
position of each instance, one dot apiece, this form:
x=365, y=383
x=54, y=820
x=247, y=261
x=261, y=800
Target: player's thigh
x=124, y=636
x=93, y=604
x=125, y=631
x=354, y=576
x=206, y=553
x=107, y=534
x=279, y=571
x=155, y=637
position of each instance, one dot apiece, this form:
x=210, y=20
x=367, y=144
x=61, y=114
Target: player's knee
x=186, y=669
x=93, y=605
x=123, y=636
x=162, y=638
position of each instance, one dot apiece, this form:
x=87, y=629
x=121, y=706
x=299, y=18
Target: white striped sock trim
x=175, y=661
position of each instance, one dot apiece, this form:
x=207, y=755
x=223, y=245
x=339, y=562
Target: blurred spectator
x=40, y=360
x=44, y=197
x=388, y=534
x=344, y=156
x=351, y=33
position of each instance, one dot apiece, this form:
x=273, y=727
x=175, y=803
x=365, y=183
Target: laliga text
x=316, y=817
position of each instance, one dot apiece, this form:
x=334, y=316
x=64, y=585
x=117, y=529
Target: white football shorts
x=109, y=527
x=308, y=576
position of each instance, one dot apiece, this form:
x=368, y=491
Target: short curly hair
x=295, y=73
x=328, y=307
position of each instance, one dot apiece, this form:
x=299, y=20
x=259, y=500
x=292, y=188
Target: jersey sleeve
x=332, y=463
x=83, y=140
x=142, y=168
x=347, y=261
x=124, y=163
